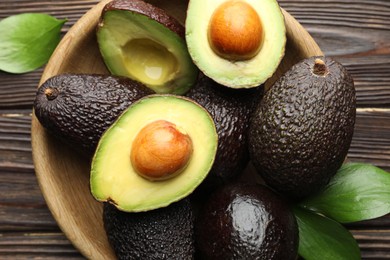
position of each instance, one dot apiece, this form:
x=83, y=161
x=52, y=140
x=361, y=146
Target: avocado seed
x=235, y=31
x=160, y=151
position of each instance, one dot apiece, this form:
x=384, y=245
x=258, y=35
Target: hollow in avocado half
x=237, y=43
x=157, y=152
x=144, y=43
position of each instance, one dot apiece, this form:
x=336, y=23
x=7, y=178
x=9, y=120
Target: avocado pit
x=235, y=31
x=160, y=150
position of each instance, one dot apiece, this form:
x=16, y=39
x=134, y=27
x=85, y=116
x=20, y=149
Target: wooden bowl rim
x=37, y=141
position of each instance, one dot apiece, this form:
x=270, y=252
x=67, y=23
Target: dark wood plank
x=30, y=245
x=15, y=142
x=27, y=228
x=374, y=244
x=71, y=10
x=18, y=91
x=371, y=14
x=22, y=205
x=371, y=140
x=357, y=33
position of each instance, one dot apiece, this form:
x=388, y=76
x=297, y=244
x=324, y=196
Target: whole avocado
x=231, y=111
x=246, y=221
x=165, y=233
x=301, y=131
x=78, y=108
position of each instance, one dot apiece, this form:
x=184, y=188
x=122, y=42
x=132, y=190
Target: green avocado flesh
x=136, y=46
x=236, y=74
x=113, y=177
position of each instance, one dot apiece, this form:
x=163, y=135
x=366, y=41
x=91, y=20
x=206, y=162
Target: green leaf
x=357, y=192
x=321, y=238
x=27, y=41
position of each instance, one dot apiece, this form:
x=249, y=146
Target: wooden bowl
x=62, y=174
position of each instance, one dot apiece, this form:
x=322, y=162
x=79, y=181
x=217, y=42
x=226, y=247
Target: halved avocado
x=157, y=152
x=142, y=42
x=237, y=43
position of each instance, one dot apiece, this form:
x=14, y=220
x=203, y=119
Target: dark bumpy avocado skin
x=231, y=110
x=301, y=131
x=148, y=10
x=246, y=221
x=79, y=108
x=165, y=233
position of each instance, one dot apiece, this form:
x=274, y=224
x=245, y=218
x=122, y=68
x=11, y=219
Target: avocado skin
x=165, y=233
x=85, y=106
x=246, y=221
x=148, y=10
x=301, y=131
x=231, y=111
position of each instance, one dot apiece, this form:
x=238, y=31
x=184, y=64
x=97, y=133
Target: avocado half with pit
x=144, y=43
x=237, y=43
x=157, y=152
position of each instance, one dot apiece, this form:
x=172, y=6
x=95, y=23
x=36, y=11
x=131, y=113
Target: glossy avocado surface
x=246, y=221
x=78, y=108
x=165, y=233
x=301, y=131
x=231, y=110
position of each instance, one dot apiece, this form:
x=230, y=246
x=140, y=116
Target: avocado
x=144, y=43
x=237, y=43
x=302, y=129
x=157, y=152
x=78, y=108
x=231, y=111
x=246, y=221
x=166, y=233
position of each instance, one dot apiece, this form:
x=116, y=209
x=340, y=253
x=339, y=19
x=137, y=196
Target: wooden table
x=355, y=32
